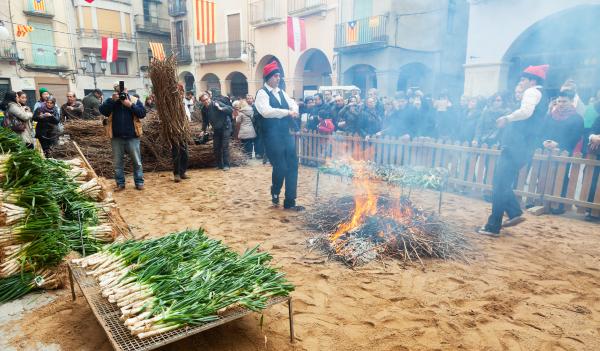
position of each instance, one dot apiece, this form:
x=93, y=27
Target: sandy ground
x=536, y=288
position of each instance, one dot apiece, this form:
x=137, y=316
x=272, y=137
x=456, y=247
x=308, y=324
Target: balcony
x=266, y=12
x=220, y=52
x=362, y=34
x=92, y=39
x=152, y=25
x=8, y=51
x=45, y=58
x=306, y=7
x=177, y=8
x=183, y=54
x=42, y=8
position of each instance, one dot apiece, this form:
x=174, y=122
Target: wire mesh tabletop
x=120, y=337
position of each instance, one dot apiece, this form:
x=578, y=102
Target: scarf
x=45, y=109
x=562, y=113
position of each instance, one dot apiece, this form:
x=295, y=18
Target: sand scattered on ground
x=536, y=288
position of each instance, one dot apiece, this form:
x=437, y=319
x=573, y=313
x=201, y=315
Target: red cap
x=538, y=71
x=270, y=69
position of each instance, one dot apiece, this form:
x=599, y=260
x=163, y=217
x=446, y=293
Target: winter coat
x=326, y=126
x=123, y=122
x=47, y=126
x=23, y=114
x=219, y=119
x=244, y=118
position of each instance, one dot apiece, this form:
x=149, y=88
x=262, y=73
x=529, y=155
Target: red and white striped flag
x=110, y=48
x=205, y=21
x=296, y=31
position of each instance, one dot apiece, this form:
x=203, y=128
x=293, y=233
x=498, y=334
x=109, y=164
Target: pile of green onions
x=181, y=279
x=47, y=209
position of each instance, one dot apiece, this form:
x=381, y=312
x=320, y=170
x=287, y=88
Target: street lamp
x=249, y=49
x=91, y=60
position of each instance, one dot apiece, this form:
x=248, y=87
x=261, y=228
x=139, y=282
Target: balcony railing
x=177, y=8
x=152, y=24
x=306, y=7
x=43, y=57
x=265, y=12
x=370, y=31
x=91, y=39
x=44, y=8
x=8, y=51
x=183, y=54
x=223, y=51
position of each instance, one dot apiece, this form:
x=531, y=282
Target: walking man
x=277, y=110
x=519, y=141
x=217, y=114
x=124, y=128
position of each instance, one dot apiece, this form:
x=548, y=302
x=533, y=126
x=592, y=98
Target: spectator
x=563, y=127
x=374, y=94
x=149, y=103
x=468, y=121
x=337, y=107
x=579, y=105
x=325, y=122
x=590, y=116
x=421, y=119
x=259, y=146
x=308, y=114
x=17, y=116
x=189, y=102
x=319, y=104
x=91, y=104
x=244, y=118
x=349, y=117
x=46, y=130
x=72, y=109
x=328, y=98
x=356, y=95
x=22, y=100
x=486, y=131
x=369, y=118
x=44, y=95
x=124, y=128
x=217, y=115
x=399, y=124
x=445, y=118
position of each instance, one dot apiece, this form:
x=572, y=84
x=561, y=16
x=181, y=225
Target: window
x=119, y=67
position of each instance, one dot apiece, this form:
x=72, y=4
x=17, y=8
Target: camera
x=122, y=93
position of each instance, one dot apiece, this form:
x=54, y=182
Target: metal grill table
x=120, y=337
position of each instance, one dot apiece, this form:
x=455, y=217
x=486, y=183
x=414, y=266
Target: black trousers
x=221, y=139
x=503, y=198
x=281, y=150
x=248, y=145
x=180, y=159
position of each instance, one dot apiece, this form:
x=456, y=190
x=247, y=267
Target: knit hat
x=536, y=71
x=43, y=90
x=270, y=70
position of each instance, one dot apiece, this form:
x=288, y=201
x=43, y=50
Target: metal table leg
x=291, y=312
x=73, y=296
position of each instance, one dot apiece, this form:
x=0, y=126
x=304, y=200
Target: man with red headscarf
x=277, y=111
x=518, y=143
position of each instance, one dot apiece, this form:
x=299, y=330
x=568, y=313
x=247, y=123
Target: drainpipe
x=12, y=30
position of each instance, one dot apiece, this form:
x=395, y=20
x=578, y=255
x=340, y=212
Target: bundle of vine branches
x=174, y=126
x=411, y=234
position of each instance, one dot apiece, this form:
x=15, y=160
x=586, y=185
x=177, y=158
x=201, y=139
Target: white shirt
x=189, y=106
x=264, y=107
x=531, y=97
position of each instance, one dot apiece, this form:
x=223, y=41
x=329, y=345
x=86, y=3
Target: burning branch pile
x=403, y=176
x=368, y=226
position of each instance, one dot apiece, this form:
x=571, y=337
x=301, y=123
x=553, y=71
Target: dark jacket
x=75, y=113
x=218, y=119
x=91, y=105
x=596, y=125
x=370, y=120
x=522, y=137
x=47, y=127
x=123, y=117
x=351, y=115
x=399, y=122
x=566, y=133
x=486, y=131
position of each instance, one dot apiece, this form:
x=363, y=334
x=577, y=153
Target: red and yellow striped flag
x=39, y=5
x=158, y=51
x=205, y=21
x=23, y=29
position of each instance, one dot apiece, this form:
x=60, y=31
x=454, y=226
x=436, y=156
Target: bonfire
x=367, y=226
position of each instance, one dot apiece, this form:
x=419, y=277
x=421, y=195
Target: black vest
x=276, y=125
x=524, y=136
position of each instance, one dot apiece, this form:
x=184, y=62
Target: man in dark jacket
x=518, y=144
x=72, y=109
x=218, y=115
x=91, y=104
x=124, y=129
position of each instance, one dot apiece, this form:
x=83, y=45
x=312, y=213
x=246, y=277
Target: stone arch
x=363, y=76
x=237, y=84
x=414, y=75
x=568, y=42
x=313, y=69
x=259, y=70
x=210, y=82
x=188, y=80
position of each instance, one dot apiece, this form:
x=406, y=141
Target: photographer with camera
x=124, y=128
x=218, y=115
